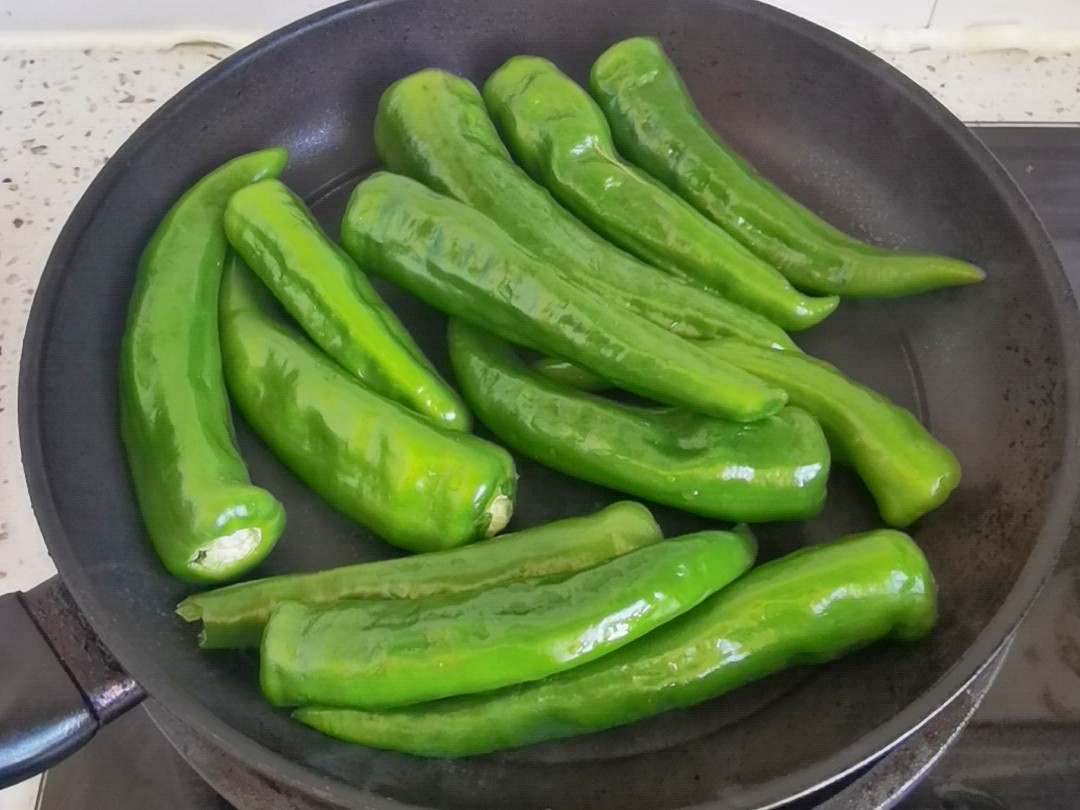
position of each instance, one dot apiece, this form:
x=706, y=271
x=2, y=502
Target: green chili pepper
x=235, y=616
x=771, y=469
x=206, y=521
x=380, y=655
x=333, y=302
x=556, y=131
x=417, y=485
x=656, y=125
x=433, y=127
x=458, y=260
x=810, y=607
x=907, y=470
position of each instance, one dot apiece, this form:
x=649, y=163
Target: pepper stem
x=499, y=513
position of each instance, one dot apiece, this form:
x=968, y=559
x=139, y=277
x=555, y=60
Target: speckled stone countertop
x=63, y=113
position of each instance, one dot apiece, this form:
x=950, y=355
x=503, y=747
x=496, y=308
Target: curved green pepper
x=328, y=295
x=810, y=607
x=556, y=131
x=417, y=485
x=771, y=469
x=458, y=260
x=235, y=616
x=380, y=655
x=907, y=471
x=656, y=125
x=206, y=521
x=433, y=127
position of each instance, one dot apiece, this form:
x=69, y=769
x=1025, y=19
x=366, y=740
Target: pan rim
x=797, y=784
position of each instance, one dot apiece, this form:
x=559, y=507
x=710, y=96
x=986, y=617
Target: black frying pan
x=992, y=369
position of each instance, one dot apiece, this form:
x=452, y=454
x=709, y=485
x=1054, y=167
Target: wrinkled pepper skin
x=656, y=125
x=558, y=134
x=810, y=607
x=417, y=485
x=907, y=470
x=432, y=126
x=383, y=655
x=234, y=617
x=459, y=261
x=333, y=302
x=772, y=469
x=206, y=521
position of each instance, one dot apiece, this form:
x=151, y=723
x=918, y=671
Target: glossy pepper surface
x=206, y=521
x=459, y=261
x=656, y=125
x=907, y=470
x=333, y=302
x=556, y=131
x=236, y=615
x=417, y=485
x=433, y=127
x=772, y=469
x=379, y=655
x=566, y=373
x=810, y=607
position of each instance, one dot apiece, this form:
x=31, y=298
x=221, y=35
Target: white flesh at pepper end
x=227, y=550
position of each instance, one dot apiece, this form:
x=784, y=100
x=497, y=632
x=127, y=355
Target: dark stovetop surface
x=1022, y=749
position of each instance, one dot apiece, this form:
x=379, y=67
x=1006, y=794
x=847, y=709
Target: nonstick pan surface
x=991, y=369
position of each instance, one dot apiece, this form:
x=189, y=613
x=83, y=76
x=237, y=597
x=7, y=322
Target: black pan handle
x=58, y=683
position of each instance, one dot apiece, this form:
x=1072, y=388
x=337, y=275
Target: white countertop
x=63, y=113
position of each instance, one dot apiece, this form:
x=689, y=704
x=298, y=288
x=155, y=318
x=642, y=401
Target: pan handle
x=58, y=683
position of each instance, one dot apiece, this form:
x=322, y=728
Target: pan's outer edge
x=774, y=794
